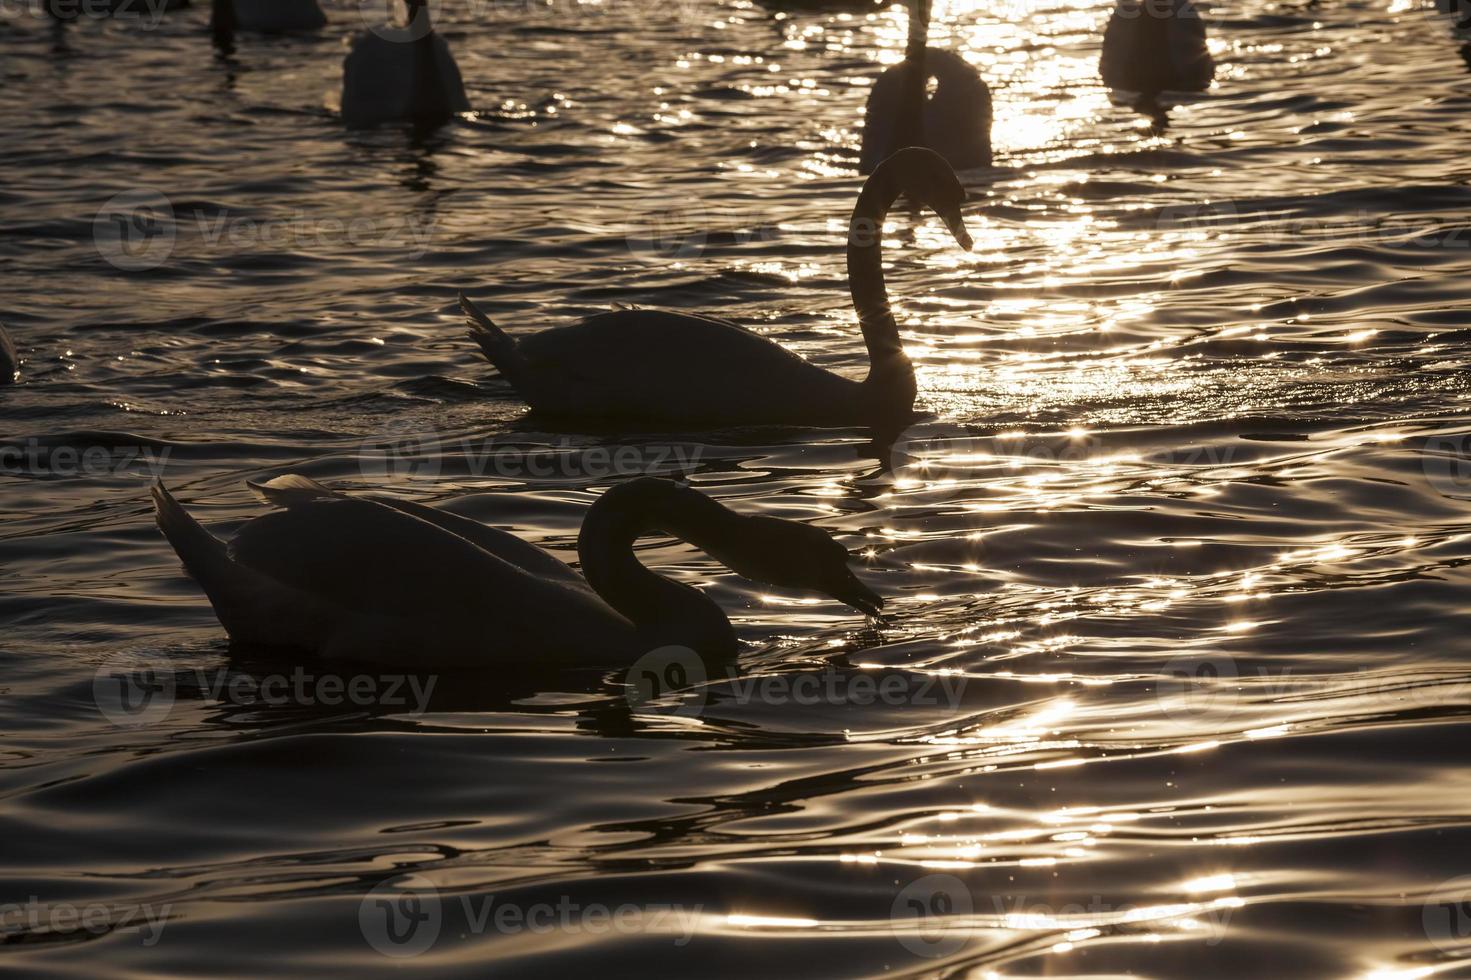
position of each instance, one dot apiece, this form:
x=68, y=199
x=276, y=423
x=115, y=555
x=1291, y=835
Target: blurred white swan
x=402, y=73
x=955, y=122
x=683, y=368
x=388, y=581
x=266, y=16
x=1154, y=46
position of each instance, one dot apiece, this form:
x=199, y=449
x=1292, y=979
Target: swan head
x=792, y=555
x=924, y=176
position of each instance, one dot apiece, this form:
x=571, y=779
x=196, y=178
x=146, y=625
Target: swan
x=9, y=359
x=398, y=73
x=681, y=368
x=266, y=16
x=1154, y=46
x=371, y=578
x=955, y=122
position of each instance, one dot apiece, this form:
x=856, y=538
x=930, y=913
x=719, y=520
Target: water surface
x=1177, y=563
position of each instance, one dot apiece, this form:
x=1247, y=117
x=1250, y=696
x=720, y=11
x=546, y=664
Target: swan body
x=376, y=579
x=681, y=368
x=402, y=73
x=1151, y=49
x=266, y=16
x=955, y=122
x=9, y=359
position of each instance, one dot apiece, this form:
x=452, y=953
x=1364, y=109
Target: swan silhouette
x=9, y=359
x=682, y=368
x=265, y=16
x=383, y=580
x=955, y=122
x=1154, y=46
x=402, y=73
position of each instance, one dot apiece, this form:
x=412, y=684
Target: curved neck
x=662, y=609
x=866, y=272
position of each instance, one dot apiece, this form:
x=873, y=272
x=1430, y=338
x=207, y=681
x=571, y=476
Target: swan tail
x=252, y=607
x=499, y=347
x=289, y=490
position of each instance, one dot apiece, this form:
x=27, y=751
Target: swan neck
x=910, y=128
x=660, y=608
x=866, y=270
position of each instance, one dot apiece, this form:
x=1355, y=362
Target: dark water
x=1177, y=569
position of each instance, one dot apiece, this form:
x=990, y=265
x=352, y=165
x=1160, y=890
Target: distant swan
x=1154, y=46
x=402, y=73
x=266, y=16
x=388, y=581
x=956, y=122
x=9, y=359
x=681, y=368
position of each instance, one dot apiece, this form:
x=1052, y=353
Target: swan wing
x=657, y=364
x=503, y=544
x=367, y=556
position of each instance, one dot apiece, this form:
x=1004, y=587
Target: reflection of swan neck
x=866, y=270
x=627, y=512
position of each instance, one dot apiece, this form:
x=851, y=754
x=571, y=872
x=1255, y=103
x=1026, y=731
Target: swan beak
x=956, y=223
x=853, y=592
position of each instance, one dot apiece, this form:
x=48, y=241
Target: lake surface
x=1173, y=679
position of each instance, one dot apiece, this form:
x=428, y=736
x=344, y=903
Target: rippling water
x=1173, y=679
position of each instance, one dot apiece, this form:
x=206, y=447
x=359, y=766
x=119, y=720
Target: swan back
x=1150, y=49
x=383, y=80
x=957, y=118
